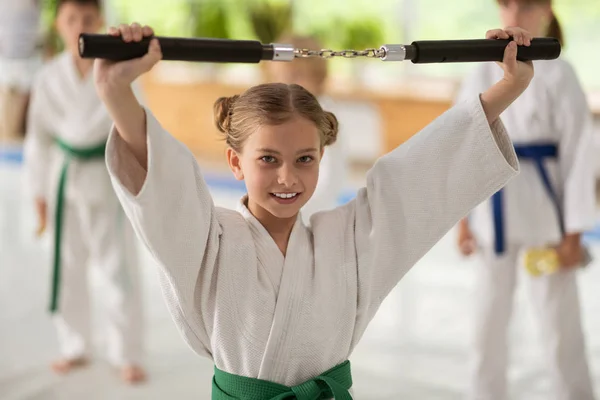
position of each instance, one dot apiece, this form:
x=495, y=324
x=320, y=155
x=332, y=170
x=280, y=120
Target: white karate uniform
x=333, y=172
x=553, y=109
x=95, y=228
x=237, y=300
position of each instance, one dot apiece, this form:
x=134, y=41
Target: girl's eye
x=268, y=159
x=305, y=159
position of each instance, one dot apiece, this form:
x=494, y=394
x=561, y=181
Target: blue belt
x=536, y=153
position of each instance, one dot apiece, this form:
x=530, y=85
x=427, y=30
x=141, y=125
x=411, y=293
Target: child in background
x=551, y=203
x=64, y=163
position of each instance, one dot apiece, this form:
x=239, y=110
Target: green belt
x=331, y=384
x=79, y=153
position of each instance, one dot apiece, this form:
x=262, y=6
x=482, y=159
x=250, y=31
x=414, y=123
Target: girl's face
x=530, y=16
x=280, y=165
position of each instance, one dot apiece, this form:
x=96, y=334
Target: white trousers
x=99, y=236
x=556, y=303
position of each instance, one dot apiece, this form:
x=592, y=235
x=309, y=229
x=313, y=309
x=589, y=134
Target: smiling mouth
x=285, y=195
x=285, y=198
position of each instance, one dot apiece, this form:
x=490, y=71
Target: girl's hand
x=114, y=76
x=516, y=73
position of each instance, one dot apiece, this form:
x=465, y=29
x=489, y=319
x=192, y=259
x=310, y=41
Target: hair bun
x=331, y=128
x=223, y=109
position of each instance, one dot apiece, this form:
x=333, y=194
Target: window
x=580, y=20
x=398, y=21
x=458, y=19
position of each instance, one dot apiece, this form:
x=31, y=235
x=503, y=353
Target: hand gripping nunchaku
x=250, y=51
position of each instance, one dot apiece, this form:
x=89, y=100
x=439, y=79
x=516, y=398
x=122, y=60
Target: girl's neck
x=280, y=229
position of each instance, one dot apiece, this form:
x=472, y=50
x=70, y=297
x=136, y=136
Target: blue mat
x=225, y=182
x=593, y=235
x=12, y=155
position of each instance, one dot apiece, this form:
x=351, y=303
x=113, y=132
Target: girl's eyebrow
x=267, y=150
x=307, y=150
x=271, y=151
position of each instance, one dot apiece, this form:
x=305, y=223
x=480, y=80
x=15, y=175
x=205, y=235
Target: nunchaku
x=214, y=50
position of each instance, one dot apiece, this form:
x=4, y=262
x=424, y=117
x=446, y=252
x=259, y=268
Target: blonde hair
x=238, y=116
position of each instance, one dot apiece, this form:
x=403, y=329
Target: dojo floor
x=416, y=348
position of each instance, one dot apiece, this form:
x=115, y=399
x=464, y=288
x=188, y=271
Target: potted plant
x=360, y=34
x=52, y=44
x=209, y=19
x=269, y=21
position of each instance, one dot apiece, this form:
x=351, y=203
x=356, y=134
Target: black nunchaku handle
x=480, y=50
x=174, y=49
x=251, y=51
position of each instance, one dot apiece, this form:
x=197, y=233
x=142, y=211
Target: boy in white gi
x=64, y=161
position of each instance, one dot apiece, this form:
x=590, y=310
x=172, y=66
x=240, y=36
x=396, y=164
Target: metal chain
x=326, y=53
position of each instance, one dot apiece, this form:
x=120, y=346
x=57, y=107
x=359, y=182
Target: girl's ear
x=233, y=159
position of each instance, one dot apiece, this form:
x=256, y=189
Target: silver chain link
x=326, y=53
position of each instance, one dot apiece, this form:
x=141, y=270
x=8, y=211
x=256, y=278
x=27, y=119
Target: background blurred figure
x=20, y=58
x=312, y=75
x=64, y=162
x=551, y=121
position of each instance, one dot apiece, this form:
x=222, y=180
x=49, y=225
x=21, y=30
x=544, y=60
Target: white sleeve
x=416, y=193
x=573, y=120
x=172, y=212
x=37, y=146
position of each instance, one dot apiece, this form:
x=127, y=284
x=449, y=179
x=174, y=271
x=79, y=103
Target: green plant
x=270, y=20
x=344, y=34
x=327, y=36
x=48, y=12
x=209, y=19
x=52, y=42
x=360, y=34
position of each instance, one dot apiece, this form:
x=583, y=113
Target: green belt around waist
x=334, y=383
x=78, y=153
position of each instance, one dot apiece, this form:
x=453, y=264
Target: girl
x=551, y=127
x=312, y=74
x=277, y=306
